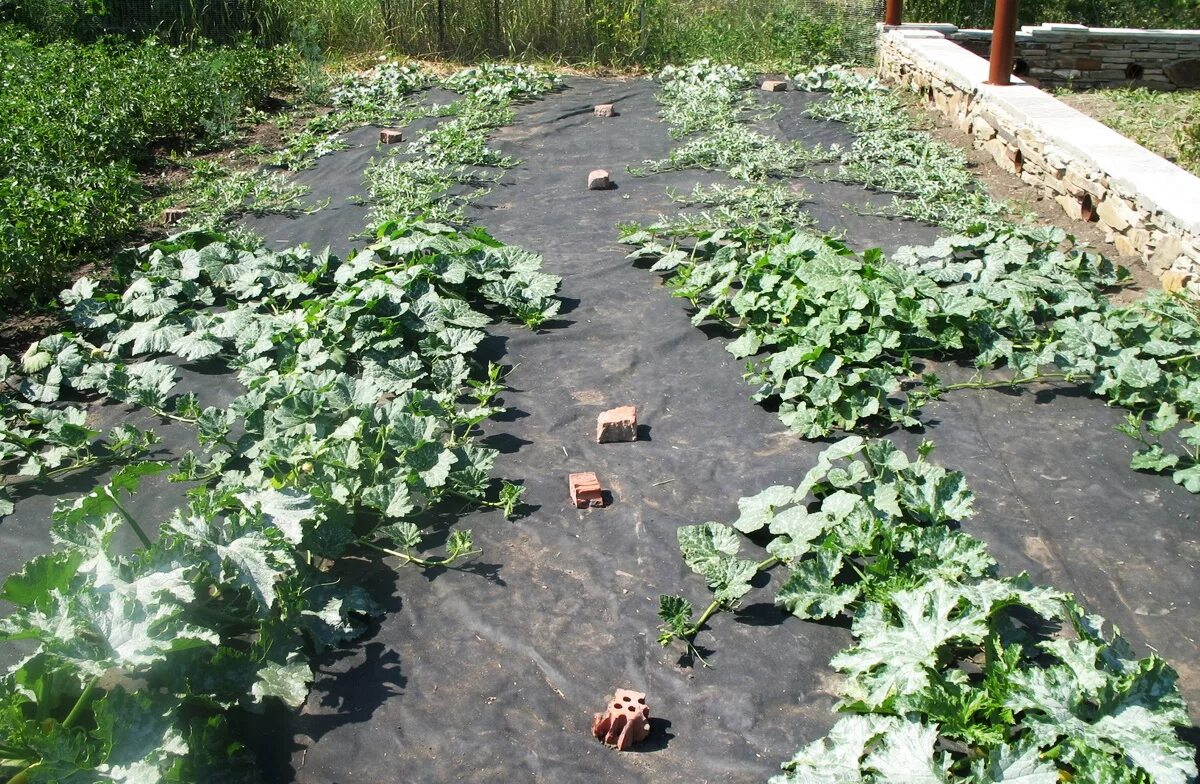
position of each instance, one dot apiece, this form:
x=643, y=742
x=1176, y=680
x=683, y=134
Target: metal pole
x=894, y=16
x=1004, y=38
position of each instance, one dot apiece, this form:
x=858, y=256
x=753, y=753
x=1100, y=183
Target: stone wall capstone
x=1147, y=206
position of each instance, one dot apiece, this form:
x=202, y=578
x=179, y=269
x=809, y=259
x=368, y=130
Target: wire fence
x=606, y=31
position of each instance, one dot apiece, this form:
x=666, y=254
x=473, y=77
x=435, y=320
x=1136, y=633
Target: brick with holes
x=625, y=721
x=585, y=490
x=617, y=424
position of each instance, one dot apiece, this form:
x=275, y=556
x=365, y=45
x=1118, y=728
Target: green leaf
x=896, y=646
x=836, y=758
x=286, y=682
x=337, y=615
x=812, y=592
x=1014, y=765
x=1153, y=458
x=1188, y=477
x=758, y=510
x=40, y=578
x=287, y=509
x=907, y=754
x=1134, y=720
x=142, y=741
x=701, y=544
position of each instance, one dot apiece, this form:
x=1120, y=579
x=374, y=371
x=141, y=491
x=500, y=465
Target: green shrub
x=754, y=32
x=76, y=120
x=1097, y=13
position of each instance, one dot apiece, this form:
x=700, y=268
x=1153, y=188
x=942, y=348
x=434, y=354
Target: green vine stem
x=137, y=528
x=715, y=607
x=426, y=563
x=77, y=710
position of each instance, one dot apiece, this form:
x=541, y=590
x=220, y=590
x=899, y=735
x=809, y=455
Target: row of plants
x=842, y=341
x=954, y=674
x=355, y=430
x=76, y=122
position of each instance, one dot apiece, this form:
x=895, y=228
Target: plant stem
x=76, y=711
x=716, y=606
x=427, y=563
x=137, y=529
x=1012, y=382
x=81, y=704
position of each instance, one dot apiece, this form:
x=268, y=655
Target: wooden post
x=1004, y=38
x=894, y=16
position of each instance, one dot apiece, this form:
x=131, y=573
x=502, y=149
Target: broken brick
x=585, y=490
x=174, y=215
x=625, y=721
x=604, y=110
x=391, y=136
x=598, y=180
x=774, y=86
x=617, y=424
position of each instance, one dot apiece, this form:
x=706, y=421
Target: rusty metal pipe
x=894, y=16
x=1004, y=39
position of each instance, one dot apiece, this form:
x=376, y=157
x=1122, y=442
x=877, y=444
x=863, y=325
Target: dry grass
x=1164, y=123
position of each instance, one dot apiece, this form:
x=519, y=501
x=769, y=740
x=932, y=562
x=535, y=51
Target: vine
x=946, y=680
x=357, y=424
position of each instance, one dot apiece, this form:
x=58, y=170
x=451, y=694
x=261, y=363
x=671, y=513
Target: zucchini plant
x=955, y=674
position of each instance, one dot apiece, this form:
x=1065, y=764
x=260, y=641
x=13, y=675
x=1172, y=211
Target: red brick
x=604, y=110
x=391, y=136
x=598, y=180
x=625, y=721
x=774, y=86
x=617, y=424
x=585, y=490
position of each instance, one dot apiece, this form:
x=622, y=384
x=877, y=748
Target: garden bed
x=490, y=671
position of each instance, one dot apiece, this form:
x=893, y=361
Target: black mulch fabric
x=491, y=673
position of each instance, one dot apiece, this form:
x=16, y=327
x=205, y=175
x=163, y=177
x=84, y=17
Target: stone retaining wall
x=1074, y=56
x=1148, y=206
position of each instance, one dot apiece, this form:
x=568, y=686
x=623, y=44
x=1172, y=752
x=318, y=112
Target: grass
x=767, y=35
x=1096, y=13
x=1164, y=123
x=622, y=33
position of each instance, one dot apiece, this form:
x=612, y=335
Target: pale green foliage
x=380, y=93
x=498, y=83
x=948, y=682
x=702, y=96
x=216, y=196
x=929, y=178
x=355, y=427
x=834, y=335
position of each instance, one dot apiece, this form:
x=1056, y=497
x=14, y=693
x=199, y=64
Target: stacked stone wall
x=1078, y=57
x=1168, y=241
